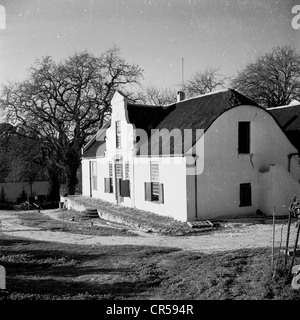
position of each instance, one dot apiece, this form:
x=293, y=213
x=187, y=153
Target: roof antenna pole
x=182, y=72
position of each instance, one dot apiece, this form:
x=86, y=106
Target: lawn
x=43, y=270
x=79, y=226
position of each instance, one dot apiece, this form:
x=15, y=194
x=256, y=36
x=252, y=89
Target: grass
x=139, y=218
x=43, y=222
x=54, y=271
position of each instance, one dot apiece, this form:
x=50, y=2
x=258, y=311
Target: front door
x=118, y=175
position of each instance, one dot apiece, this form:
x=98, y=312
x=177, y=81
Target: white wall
x=224, y=169
x=277, y=189
x=172, y=174
x=13, y=190
x=85, y=177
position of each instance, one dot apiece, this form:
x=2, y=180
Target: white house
x=216, y=155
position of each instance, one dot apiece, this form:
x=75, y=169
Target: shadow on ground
x=56, y=271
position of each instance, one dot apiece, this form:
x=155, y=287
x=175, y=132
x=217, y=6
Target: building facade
x=213, y=156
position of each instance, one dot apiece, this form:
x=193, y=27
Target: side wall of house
x=276, y=190
x=85, y=177
x=218, y=186
x=172, y=174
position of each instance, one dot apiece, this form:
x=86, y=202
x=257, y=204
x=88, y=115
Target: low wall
x=13, y=190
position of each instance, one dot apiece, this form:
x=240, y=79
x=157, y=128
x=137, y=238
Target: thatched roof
x=195, y=113
x=288, y=117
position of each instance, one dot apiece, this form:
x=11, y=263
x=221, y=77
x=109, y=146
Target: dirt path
x=235, y=236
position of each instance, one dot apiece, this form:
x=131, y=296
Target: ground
x=48, y=257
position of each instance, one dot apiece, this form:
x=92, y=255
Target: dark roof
x=288, y=117
x=198, y=113
x=147, y=117
x=195, y=113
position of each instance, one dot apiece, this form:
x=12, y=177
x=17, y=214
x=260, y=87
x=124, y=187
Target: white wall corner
x=119, y=97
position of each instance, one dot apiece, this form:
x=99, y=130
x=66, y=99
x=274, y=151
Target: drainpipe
x=196, y=194
x=195, y=185
x=289, y=160
x=132, y=185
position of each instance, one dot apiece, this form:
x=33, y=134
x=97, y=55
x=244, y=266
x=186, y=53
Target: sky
x=156, y=34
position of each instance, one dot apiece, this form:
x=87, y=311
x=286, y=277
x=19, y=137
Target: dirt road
x=234, y=236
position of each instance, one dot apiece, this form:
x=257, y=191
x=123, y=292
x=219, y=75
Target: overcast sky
x=156, y=34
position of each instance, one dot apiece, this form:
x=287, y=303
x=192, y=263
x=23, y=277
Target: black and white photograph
x=149, y=153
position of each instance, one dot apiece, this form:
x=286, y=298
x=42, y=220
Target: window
x=154, y=175
x=118, y=134
x=108, y=182
x=151, y=190
x=127, y=170
x=154, y=189
x=94, y=175
x=110, y=170
x=245, y=195
x=244, y=137
x=119, y=169
x=108, y=185
x=111, y=177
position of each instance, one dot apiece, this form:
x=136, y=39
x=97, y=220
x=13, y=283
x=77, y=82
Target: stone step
x=200, y=224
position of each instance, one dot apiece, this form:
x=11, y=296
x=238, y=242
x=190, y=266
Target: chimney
x=180, y=96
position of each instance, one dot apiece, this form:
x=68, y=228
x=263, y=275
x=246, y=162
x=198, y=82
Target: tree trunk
x=55, y=187
x=72, y=180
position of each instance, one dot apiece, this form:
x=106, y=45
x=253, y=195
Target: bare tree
x=273, y=79
x=204, y=82
x=153, y=96
x=63, y=104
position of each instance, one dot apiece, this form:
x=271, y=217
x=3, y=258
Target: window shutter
x=161, y=193
x=125, y=188
x=111, y=187
x=107, y=185
x=127, y=170
x=147, y=191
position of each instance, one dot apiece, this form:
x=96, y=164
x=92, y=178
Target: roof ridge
x=144, y=105
x=283, y=107
x=200, y=96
